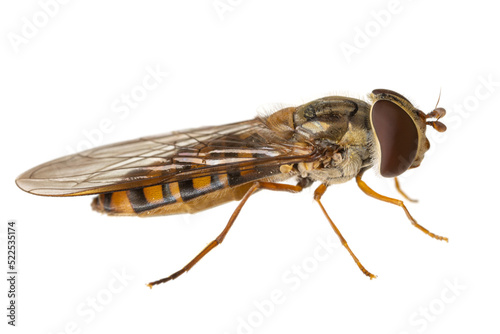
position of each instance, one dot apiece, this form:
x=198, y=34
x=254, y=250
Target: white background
x=70, y=74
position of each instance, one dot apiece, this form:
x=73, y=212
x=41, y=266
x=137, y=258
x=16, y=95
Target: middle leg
x=318, y=193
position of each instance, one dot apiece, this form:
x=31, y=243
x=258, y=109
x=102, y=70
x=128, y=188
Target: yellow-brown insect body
x=330, y=140
x=333, y=127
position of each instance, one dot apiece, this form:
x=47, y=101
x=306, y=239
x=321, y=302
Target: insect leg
x=318, y=193
x=398, y=188
x=370, y=192
x=256, y=186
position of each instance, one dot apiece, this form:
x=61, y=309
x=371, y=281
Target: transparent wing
x=165, y=158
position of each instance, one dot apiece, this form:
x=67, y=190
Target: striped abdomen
x=187, y=196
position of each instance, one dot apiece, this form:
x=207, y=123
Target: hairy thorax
x=340, y=130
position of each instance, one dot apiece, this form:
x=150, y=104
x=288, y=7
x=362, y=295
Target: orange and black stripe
x=138, y=200
x=148, y=198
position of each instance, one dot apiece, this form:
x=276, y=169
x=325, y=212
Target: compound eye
x=397, y=136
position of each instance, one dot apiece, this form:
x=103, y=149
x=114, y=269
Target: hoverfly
x=330, y=140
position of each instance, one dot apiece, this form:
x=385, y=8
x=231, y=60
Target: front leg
x=372, y=193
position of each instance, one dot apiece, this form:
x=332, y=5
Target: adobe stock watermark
x=223, y=7
x=486, y=87
x=33, y=24
x=292, y=279
x=88, y=310
x=120, y=108
x=429, y=313
x=363, y=36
